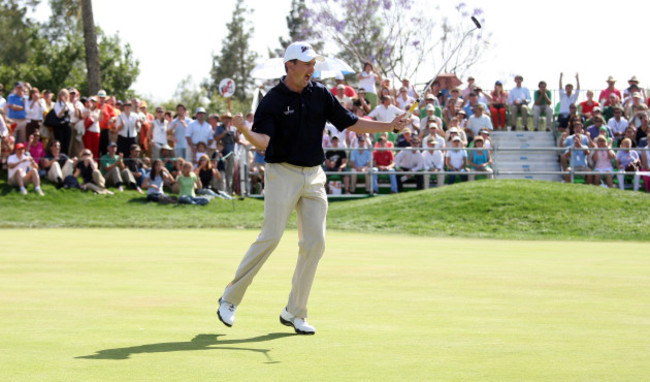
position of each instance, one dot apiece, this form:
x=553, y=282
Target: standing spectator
x=360, y=163
x=567, y=98
x=154, y=183
x=385, y=112
x=542, y=99
x=57, y=165
x=106, y=120
x=197, y=131
x=433, y=160
x=16, y=111
x=367, y=80
x=6, y=141
x=77, y=123
x=478, y=120
x=480, y=159
x=92, y=177
x=23, y=170
x=226, y=134
x=518, y=99
x=127, y=126
x=114, y=170
x=605, y=96
x=410, y=160
x=158, y=133
x=456, y=160
x=362, y=102
x=384, y=161
x=410, y=89
x=498, y=98
x=634, y=87
x=92, y=135
x=177, y=130
x=35, y=111
x=63, y=109
x=147, y=121
x=602, y=160
x=188, y=182
x=627, y=160
x=587, y=107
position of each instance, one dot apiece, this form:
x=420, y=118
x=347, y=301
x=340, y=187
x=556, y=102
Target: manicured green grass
x=134, y=305
x=503, y=209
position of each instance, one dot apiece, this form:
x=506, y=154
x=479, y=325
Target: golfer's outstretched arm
x=261, y=141
x=370, y=126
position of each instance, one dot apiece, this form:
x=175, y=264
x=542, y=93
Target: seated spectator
x=645, y=167
x=433, y=160
x=578, y=157
x=542, y=99
x=6, y=141
x=588, y=105
x=56, y=164
x=340, y=96
x=498, y=98
x=208, y=175
x=404, y=101
x=188, y=182
x=566, y=139
x=480, y=159
x=201, y=150
x=456, y=160
x=433, y=131
x=340, y=80
x=602, y=160
x=154, y=183
x=362, y=102
x=386, y=111
x=337, y=161
x=23, y=170
x=429, y=116
x=410, y=160
x=487, y=140
x=453, y=133
x=452, y=106
x=360, y=163
x=627, y=160
x=617, y=124
x=114, y=170
x=630, y=133
x=642, y=131
x=404, y=139
x=594, y=131
x=135, y=166
x=35, y=148
x=613, y=103
x=634, y=109
x=430, y=99
x=518, y=100
x=384, y=161
x=478, y=121
x=92, y=177
x=472, y=101
x=567, y=98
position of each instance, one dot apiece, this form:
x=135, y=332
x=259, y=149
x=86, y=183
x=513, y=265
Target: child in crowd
x=188, y=182
x=155, y=181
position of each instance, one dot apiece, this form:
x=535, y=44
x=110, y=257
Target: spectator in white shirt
x=385, y=112
x=617, y=124
x=433, y=160
x=158, y=133
x=478, y=120
x=198, y=131
x=404, y=101
x=23, y=170
x=518, y=99
x=410, y=159
x=128, y=126
x=567, y=97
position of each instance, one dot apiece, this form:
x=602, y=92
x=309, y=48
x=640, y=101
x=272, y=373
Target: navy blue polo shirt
x=295, y=123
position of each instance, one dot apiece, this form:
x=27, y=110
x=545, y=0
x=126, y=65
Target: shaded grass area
x=504, y=209
x=79, y=305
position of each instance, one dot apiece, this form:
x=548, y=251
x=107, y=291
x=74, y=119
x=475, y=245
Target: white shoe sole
x=289, y=323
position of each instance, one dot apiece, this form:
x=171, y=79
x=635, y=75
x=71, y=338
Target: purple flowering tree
x=400, y=37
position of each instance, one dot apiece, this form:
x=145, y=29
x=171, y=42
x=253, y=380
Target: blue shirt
x=179, y=133
x=295, y=123
x=13, y=99
x=579, y=156
x=520, y=94
x=360, y=157
x=227, y=140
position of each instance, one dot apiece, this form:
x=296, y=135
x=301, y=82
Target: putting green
x=118, y=305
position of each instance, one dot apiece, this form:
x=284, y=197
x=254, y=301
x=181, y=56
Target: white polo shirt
x=385, y=114
x=199, y=132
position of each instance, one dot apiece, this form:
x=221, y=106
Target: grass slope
x=520, y=209
x=139, y=305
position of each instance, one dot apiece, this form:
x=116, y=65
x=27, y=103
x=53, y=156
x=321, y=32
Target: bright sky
x=539, y=40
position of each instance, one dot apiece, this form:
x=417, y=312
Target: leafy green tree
x=16, y=29
x=236, y=59
x=300, y=29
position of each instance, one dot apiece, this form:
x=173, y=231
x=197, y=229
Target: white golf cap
x=339, y=76
x=301, y=51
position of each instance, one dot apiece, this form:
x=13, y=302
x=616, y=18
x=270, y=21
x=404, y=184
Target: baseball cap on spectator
x=166, y=147
x=477, y=139
x=406, y=130
x=135, y=147
x=200, y=110
x=483, y=131
x=19, y=84
x=432, y=140
x=118, y=102
x=453, y=130
x=498, y=83
x=430, y=96
x=112, y=144
x=302, y=51
x=101, y=93
x=19, y=146
x=339, y=76
x=340, y=86
x=461, y=111
x=126, y=103
x=455, y=139
x=430, y=108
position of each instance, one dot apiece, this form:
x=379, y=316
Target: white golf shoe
x=300, y=325
x=226, y=312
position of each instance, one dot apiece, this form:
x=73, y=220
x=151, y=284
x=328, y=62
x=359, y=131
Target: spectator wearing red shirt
x=106, y=120
x=587, y=106
x=384, y=161
x=349, y=91
x=603, y=98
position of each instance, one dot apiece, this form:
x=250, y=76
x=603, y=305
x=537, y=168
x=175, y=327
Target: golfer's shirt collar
x=286, y=91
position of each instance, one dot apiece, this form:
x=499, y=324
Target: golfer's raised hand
x=399, y=122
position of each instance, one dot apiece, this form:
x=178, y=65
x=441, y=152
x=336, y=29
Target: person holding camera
x=63, y=108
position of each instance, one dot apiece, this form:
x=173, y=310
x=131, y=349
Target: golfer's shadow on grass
x=200, y=342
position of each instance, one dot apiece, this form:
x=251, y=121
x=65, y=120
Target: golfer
x=289, y=125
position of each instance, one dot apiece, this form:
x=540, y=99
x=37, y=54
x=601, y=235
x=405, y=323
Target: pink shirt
x=602, y=160
x=37, y=152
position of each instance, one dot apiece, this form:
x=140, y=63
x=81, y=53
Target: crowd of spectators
x=100, y=143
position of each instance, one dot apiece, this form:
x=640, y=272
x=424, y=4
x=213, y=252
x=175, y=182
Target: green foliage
x=299, y=26
x=15, y=29
x=236, y=59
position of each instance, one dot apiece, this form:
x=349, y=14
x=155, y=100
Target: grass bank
x=501, y=209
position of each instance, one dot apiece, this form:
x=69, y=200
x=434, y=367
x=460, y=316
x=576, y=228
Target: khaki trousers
x=99, y=183
x=114, y=177
x=287, y=188
x=56, y=173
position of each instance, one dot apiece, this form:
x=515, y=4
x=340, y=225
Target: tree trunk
x=92, y=52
